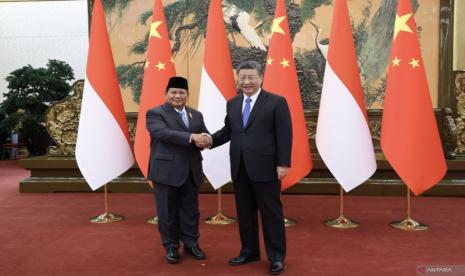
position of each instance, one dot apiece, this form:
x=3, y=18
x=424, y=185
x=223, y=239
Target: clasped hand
x=202, y=140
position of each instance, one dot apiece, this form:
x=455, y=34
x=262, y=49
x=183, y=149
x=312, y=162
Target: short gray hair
x=250, y=64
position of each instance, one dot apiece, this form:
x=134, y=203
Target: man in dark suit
x=258, y=124
x=175, y=168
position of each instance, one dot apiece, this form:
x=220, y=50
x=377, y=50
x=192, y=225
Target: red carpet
x=49, y=234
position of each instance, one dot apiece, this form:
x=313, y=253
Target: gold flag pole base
x=409, y=224
x=288, y=222
x=219, y=219
x=106, y=217
x=341, y=222
x=153, y=220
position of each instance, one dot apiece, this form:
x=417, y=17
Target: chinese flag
x=281, y=78
x=159, y=67
x=409, y=135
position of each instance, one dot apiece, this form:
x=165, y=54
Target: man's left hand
x=202, y=141
x=282, y=171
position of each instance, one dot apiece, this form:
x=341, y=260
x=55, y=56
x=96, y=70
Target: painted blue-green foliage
x=372, y=37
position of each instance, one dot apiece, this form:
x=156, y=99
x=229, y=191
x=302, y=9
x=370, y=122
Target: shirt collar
x=183, y=110
x=254, y=96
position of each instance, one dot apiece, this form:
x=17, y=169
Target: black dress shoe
x=172, y=255
x=240, y=260
x=195, y=252
x=276, y=268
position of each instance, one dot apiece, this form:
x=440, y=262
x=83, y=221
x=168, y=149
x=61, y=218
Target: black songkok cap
x=177, y=82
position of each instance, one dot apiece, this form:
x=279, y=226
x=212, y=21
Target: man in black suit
x=258, y=124
x=175, y=168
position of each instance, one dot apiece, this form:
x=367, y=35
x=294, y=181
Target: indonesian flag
x=409, y=135
x=343, y=137
x=159, y=67
x=103, y=150
x=281, y=78
x=216, y=88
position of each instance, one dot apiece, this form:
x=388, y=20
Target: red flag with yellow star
x=409, y=135
x=281, y=78
x=158, y=68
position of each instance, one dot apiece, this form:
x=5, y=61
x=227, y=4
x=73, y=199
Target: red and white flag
x=281, y=78
x=103, y=149
x=409, y=134
x=159, y=67
x=343, y=137
x=216, y=88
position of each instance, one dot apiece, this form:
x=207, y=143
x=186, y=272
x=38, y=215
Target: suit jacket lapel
x=256, y=107
x=237, y=108
x=176, y=116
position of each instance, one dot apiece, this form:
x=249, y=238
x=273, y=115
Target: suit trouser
x=178, y=213
x=264, y=197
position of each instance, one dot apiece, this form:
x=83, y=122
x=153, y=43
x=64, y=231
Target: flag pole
x=409, y=224
x=288, y=221
x=152, y=220
x=341, y=221
x=219, y=218
x=106, y=217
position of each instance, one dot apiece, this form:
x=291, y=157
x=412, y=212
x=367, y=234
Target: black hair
x=250, y=64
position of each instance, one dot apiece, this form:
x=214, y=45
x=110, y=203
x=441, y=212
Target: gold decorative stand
x=409, y=224
x=219, y=218
x=289, y=222
x=153, y=220
x=341, y=222
x=106, y=217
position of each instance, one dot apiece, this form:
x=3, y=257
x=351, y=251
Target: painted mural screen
x=248, y=25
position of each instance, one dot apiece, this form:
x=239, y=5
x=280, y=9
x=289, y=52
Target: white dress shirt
x=253, y=98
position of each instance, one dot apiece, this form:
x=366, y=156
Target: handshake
x=202, y=140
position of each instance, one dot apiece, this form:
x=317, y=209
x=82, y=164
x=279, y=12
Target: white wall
x=34, y=32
